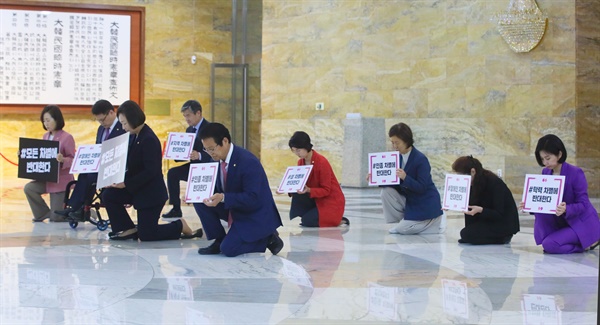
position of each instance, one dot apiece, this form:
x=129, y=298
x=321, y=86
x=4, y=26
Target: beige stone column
x=588, y=92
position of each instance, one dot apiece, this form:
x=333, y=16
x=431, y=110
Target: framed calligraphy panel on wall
x=69, y=54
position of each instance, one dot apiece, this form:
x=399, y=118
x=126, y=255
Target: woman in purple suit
x=575, y=227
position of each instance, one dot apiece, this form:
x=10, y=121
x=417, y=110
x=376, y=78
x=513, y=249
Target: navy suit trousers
x=231, y=242
x=174, y=176
x=83, y=191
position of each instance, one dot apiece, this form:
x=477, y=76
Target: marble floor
x=52, y=274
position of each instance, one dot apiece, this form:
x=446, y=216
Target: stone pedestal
x=361, y=137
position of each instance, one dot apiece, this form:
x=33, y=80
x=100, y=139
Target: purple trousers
x=557, y=236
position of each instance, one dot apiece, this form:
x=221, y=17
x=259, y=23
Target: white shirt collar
x=405, y=158
x=198, y=125
x=229, y=154
x=112, y=127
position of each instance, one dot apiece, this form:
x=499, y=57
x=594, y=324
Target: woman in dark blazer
x=575, y=226
x=321, y=203
x=492, y=216
x=414, y=205
x=144, y=186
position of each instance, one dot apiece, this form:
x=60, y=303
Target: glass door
x=229, y=99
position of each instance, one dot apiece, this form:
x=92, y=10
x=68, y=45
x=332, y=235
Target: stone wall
x=439, y=66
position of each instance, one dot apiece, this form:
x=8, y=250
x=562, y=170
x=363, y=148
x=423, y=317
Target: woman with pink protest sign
x=492, y=216
x=321, y=202
x=574, y=227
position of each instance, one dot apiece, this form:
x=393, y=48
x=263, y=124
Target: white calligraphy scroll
x=382, y=168
x=179, y=145
x=456, y=192
x=87, y=159
x=113, y=161
x=76, y=58
x=201, y=181
x=294, y=179
x=542, y=193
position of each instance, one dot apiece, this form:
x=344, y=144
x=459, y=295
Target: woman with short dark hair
x=144, y=186
x=492, y=216
x=414, y=204
x=321, y=202
x=53, y=122
x=575, y=226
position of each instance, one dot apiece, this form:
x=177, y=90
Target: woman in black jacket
x=144, y=185
x=492, y=217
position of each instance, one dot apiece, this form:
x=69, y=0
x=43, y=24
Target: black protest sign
x=37, y=159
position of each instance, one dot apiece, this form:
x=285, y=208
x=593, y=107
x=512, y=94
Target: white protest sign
x=87, y=159
x=113, y=161
x=456, y=192
x=179, y=145
x=455, y=298
x=201, y=182
x=540, y=309
x=294, y=179
x=542, y=193
x=382, y=167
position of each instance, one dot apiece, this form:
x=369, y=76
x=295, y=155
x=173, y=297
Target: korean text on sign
x=87, y=159
x=179, y=145
x=382, y=168
x=542, y=193
x=201, y=182
x=37, y=159
x=113, y=161
x=294, y=179
x=456, y=192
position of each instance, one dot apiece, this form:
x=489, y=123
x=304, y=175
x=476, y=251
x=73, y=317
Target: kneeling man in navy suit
x=242, y=197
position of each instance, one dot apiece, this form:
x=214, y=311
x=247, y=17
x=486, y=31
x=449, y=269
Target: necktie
x=401, y=162
x=224, y=173
x=194, y=130
x=106, y=134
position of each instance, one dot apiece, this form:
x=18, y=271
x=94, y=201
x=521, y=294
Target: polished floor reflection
x=52, y=274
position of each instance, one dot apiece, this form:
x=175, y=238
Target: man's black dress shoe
x=276, y=244
x=173, y=214
x=214, y=248
x=65, y=212
x=120, y=236
x=77, y=215
x=196, y=234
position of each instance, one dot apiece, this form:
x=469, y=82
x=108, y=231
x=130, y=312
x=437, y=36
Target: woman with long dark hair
x=492, y=216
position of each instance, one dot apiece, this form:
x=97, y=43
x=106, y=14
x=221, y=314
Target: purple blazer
x=580, y=216
x=66, y=146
